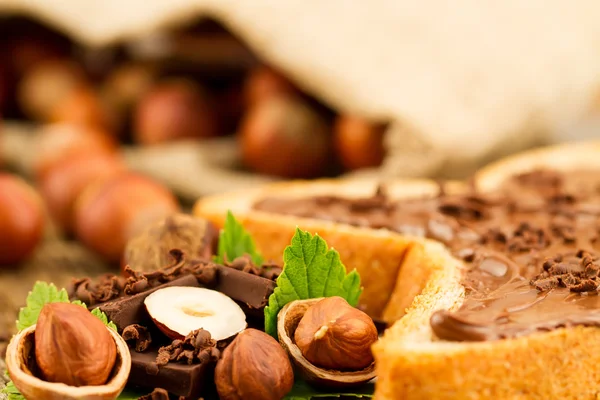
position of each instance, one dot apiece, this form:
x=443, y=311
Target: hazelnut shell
x=287, y=321
x=20, y=353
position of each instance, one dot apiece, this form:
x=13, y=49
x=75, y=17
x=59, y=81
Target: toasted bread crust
x=411, y=362
x=376, y=254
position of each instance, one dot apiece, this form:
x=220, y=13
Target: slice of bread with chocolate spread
x=493, y=286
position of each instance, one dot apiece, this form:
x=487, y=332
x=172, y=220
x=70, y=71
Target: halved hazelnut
x=287, y=322
x=179, y=310
x=20, y=362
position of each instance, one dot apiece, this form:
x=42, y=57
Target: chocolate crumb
x=138, y=333
x=157, y=394
x=244, y=263
x=579, y=273
x=197, y=347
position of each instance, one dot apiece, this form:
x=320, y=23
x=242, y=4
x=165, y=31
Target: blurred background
x=97, y=139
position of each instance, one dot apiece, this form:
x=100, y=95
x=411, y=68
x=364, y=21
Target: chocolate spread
x=531, y=249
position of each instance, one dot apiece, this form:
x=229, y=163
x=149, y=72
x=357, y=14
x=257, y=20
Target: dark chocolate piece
x=129, y=310
x=177, y=378
x=251, y=290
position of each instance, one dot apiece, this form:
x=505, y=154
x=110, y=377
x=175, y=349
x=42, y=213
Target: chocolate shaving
x=467, y=208
x=245, y=264
x=157, y=394
x=579, y=273
x=108, y=287
x=197, y=347
x=138, y=333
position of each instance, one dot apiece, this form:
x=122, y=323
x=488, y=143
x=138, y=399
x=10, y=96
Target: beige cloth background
x=465, y=81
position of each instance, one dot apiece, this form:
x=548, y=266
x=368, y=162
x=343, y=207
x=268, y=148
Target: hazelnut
x=61, y=186
x=21, y=365
x=173, y=110
x=333, y=334
x=253, y=367
x=111, y=211
x=150, y=250
x=21, y=219
x=57, y=142
x=358, y=142
x=264, y=83
x=72, y=346
x=46, y=84
x=82, y=106
x=284, y=136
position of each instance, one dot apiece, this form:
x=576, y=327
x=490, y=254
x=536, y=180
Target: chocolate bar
x=250, y=291
x=192, y=381
x=128, y=310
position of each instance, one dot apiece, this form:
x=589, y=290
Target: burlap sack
x=463, y=81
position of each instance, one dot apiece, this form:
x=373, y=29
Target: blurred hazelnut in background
x=46, y=84
x=58, y=142
x=264, y=83
x=173, y=110
x=61, y=185
x=112, y=210
x=283, y=136
x=358, y=142
x=21, y=219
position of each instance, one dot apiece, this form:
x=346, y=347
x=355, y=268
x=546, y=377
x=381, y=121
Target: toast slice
x=376, y=254
x=412, y=363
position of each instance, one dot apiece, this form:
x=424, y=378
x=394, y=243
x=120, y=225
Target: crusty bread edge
x=376, y=254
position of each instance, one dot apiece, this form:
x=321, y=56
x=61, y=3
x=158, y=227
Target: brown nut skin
x=21, y=219
x=72, y=346
x=263, y=83
x=253, y=367
x=334, y=335
x=173, y=110
x=283, y=136
x=111, y=211
x=358, y=142
x=57, y=142
x=63, y=183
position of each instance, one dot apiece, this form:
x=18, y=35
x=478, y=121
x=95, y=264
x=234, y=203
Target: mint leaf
x=96, y=312
x=235, y=241
x=310, y=270
x=12, y=392
x=41, y=294
x=302, y=391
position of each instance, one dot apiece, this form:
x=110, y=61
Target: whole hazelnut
x=334, y=335
x=358, y=142
x=72, y=346
x=111, y=211
x=263, y=83
x=284, y=136
x=150, y=250
x=21, y=219
x=173, y=110
x=45, y=85
x=63, y=183
x=253, y=367
x=82, y=106
x=57, y=142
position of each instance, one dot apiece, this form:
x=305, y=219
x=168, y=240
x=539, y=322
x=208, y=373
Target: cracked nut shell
x=288, y=321
x=253, y=367
x=72, y=346
x=334, y=335
x=20, y=362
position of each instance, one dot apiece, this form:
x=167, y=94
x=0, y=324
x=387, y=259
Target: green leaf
x=310, y=270
x=235, y=241
x=302, y=391
x=129, y=394
x=96, y=312
x=12, y=392
x=41, y=294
